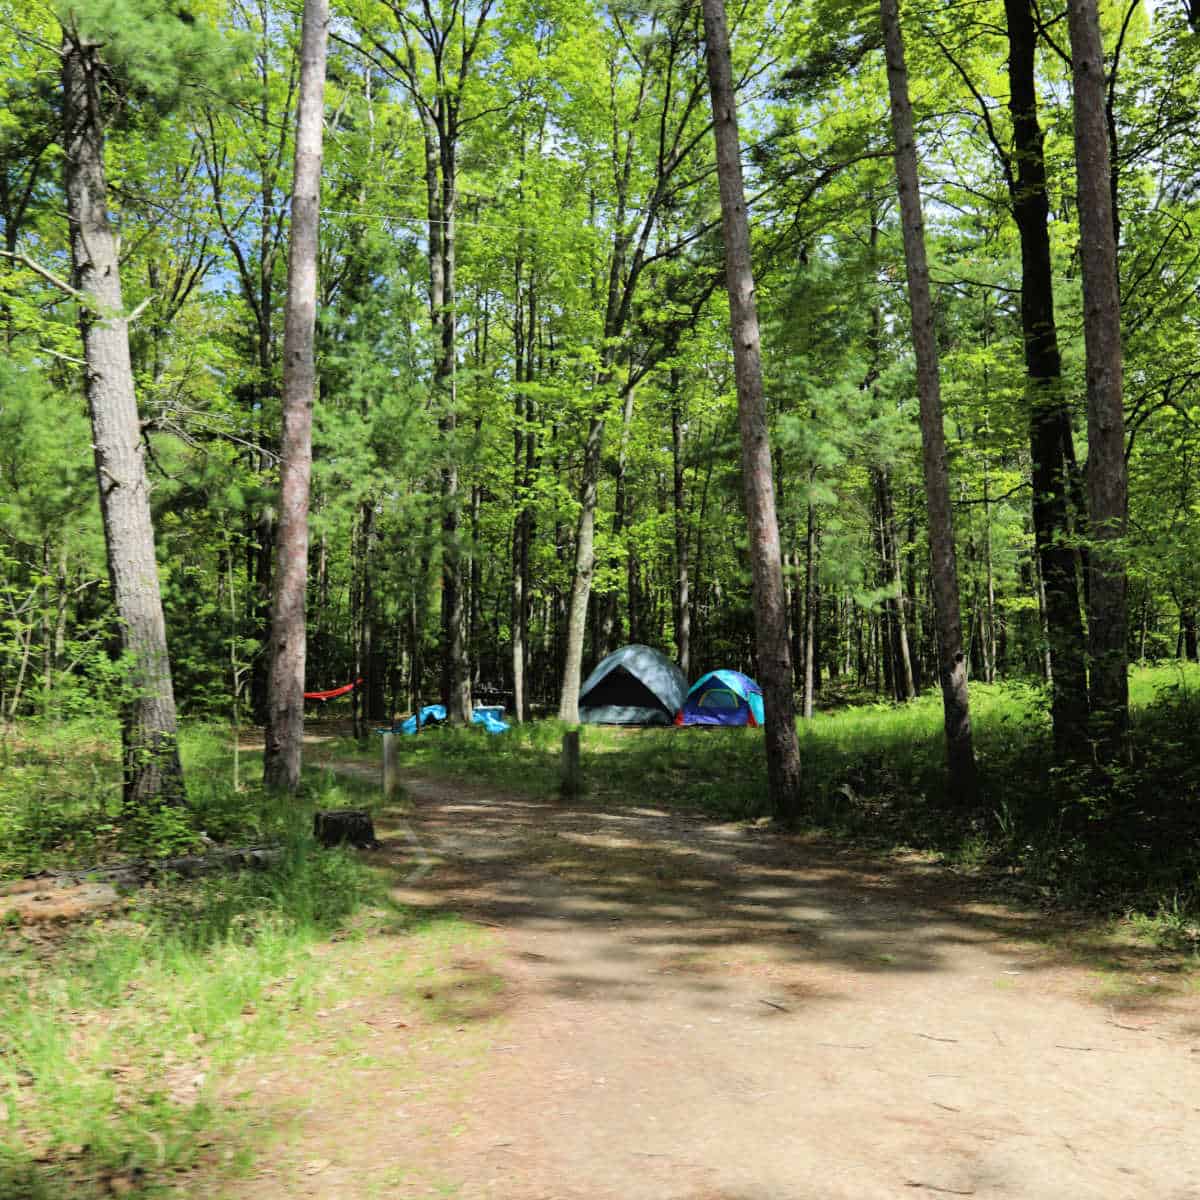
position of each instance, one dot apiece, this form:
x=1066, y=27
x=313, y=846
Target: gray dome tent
x=633, y=686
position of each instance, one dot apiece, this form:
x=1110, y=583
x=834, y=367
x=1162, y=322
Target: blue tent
x=723, y=698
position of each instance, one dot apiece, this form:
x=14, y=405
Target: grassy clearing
x=115, y=1037
x=874, y=772
x=60, y=796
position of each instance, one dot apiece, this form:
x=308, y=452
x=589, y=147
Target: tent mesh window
x=721, y=698
x=621, y=690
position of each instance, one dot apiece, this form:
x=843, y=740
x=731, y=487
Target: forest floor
x=654, y=1005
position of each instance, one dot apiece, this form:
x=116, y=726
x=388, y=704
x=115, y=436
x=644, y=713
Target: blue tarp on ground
x=489, y=718
x=723, y=698
x=435, y=714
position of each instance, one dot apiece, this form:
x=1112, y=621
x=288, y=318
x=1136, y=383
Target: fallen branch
x=142, y=871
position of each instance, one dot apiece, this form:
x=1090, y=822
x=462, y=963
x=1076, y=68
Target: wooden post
x=571, y=786
x=391, y=778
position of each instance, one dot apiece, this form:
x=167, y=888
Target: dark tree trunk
x=152, y=772
x=952, y=672
x=770, y=609
x=1187, y=624
x=1106, y=476
x=285, y=690
x=1050, y=436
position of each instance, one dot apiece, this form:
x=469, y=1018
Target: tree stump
x=571, y=784
x=391, y=776
x=345, y=827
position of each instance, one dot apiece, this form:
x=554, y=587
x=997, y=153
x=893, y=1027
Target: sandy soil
x=674, y=1009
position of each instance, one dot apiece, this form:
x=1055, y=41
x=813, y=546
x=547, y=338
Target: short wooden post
x=572, y=778
x=391, y=776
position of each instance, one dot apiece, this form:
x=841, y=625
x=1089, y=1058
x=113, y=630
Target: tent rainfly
x=723, y=698
x=633, y=686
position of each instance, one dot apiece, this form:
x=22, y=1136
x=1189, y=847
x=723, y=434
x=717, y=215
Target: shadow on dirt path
x=671, y=1008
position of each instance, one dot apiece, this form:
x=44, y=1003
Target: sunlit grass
x=876, y=772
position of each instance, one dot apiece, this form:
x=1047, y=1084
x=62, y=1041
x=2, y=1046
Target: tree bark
x=585, y=562
x=152, y=772
x=905, y=685
x=520, y=552
x=455, y=667
x=285, y=689
x=610, y=625
x=1189, y=642
x=1050, y=435
x=952, y=664
x=683, y=609
x=770, y=609
x=810, y=612
x=1106, y=476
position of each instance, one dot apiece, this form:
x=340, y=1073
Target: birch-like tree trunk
x=285, y=688
x=952, y=667
x=683, y=607
x=152, y=772
x=585, y=563
x=770, y=604
x=1107, y=475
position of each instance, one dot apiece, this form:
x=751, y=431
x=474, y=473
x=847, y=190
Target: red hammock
x=333, y=693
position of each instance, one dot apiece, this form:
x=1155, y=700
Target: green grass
x=60, y=796
x=114, y=1037
x=117, y=1040
x=874, y=772
x=120, y=1039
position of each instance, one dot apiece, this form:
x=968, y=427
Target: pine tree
x=952, y=665
x=770, y=605
x=285, y=688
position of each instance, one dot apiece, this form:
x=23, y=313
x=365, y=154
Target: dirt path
x=670, y=1009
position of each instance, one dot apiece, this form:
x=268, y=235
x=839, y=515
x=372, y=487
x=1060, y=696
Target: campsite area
x=599, y=599
x=643, y=993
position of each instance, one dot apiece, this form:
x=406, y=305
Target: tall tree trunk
x=893, y=580
x=770, y=609
x=517, y=596
x=152, y=772
x=810, y=612
x=455, y=668
x=1050, y=437
x=1189, y=642
x=285, y=690
x=1106, y=476
x=610, y=625
x=683, y=609
x=905, y=684
x=990, y=640
x=952, y=664
x=585, y=562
